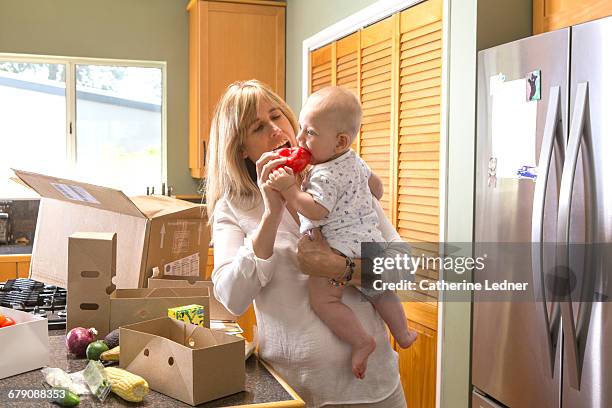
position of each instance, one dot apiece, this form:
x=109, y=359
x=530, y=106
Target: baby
x=336, y=195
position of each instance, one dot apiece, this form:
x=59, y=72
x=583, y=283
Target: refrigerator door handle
x=551, y=127
x=563, y=233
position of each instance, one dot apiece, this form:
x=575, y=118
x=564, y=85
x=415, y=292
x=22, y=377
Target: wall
x=304, y=19
x=474, y=25
x=136, y=29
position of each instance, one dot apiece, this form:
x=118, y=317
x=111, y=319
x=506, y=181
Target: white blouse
x=292, y=338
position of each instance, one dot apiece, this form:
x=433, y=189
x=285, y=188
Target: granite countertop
x=15, y=249
x=261, y=386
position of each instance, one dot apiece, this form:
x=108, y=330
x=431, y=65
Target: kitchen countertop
x=263, y=387
x=15, y=249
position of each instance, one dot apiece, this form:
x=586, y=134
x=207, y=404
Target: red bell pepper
x=7, y=322
x=297, y=158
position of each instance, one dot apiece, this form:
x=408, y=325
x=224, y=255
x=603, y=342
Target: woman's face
x=270, y=131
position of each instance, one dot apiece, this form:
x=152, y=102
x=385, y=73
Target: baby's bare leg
x=326, y=302
x=390, y=309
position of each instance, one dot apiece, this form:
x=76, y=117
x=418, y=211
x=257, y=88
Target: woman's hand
x=316, y=257
x=273, y=200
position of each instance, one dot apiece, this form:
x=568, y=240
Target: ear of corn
x=110, y=355
x=128, y=386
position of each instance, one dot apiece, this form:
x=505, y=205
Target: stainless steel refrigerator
x=548, y=352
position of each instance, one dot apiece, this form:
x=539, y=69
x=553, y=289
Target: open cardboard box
x=24, y=346
x=93, y=300
x=189, y=363
x=152, y=231
x=217, y=310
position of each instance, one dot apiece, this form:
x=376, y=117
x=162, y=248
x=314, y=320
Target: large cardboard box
x=184, y=361
x=152, y=231
x=24, y=346
x=217, y=310
x=93, y=300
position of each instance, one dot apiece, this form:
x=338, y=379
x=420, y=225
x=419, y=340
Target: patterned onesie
x=341, y=186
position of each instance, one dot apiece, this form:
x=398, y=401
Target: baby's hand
x=282, y=179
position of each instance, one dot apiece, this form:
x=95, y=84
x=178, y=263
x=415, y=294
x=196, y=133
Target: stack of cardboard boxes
x=103, y=247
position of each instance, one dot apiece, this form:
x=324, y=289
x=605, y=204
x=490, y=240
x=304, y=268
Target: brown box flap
x=135, y=305
x=160, y=206
x=77, y=192
x=217, y=310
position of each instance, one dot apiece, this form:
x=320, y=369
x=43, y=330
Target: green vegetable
x=69, y=399
x=112, y=339
x=95, y=349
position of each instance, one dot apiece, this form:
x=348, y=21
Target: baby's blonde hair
x=227, y=174
x=344, y=105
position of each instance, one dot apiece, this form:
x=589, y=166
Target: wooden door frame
x=367, y=16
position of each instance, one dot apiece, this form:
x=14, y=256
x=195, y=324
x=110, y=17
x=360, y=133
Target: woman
x=256, y=237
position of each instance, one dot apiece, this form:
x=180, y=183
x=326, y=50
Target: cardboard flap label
x=76, y=192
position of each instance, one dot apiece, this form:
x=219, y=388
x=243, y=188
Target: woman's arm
x=239, y=274
x=316, y=257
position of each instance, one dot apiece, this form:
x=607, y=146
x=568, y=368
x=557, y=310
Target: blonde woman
x=261, y=258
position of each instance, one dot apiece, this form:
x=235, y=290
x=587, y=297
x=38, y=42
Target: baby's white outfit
x=341, y=186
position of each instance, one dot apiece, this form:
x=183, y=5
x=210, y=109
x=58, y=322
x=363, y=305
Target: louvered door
x=320, y=68
x=418, y=209
x=347, y=68
x=420, y=76
x=376, y=47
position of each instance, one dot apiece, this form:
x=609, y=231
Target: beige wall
x=304, y=19
x=122, y=29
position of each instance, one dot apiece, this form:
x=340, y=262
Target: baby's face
x=317, y=132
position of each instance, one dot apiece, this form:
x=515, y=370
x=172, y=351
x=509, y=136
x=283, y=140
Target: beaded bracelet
x=348, y=273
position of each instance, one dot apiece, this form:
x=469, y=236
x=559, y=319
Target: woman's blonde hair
x=227, y=173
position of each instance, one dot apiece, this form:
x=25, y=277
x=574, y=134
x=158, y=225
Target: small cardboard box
x=93, y=301
x=24, y=346
x=193, y=314
x=183, y=361
x=152, y=231
x=217, y=310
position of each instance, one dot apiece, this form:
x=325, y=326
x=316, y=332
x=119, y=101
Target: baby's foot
x=359, y=358
x=407, y=339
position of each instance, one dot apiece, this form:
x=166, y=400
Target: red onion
x=78, y=339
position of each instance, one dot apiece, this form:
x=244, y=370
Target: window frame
x=70, y=64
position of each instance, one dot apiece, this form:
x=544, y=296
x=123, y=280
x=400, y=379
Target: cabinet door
x=549, y=15
x=8, y=270
x=23, y=269
x=417, y=364
x=229, y=42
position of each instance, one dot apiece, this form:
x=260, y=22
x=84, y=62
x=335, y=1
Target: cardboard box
x=184, y=361
x=24, y=346
x=217, y=310
x=93, y=300
x=152, y=231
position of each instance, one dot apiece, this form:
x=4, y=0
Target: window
x=97, y=121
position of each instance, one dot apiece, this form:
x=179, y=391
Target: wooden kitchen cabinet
x=549, y=15
x=14, y=266
x=417, y=364
x=229, y=42
x=8, y=270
